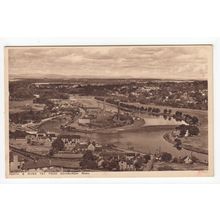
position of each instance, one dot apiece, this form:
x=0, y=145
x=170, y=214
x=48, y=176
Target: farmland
x=24, y=105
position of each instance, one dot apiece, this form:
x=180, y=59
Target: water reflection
x=144, y=140
x=160, y=120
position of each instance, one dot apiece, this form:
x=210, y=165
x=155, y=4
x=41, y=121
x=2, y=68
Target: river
x=146, y=139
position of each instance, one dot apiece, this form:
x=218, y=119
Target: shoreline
x=113, y=130
x=188, y=147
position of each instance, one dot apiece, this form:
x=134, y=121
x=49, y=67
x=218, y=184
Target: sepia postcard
x=109, y=111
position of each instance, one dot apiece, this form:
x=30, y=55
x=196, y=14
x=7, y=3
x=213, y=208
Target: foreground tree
x=166, y=156
x=57, y=145
x=88, y=161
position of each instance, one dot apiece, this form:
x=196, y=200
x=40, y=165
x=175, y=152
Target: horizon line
x=103, y=78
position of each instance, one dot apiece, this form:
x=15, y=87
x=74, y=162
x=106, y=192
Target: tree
x=193, y=130
x=182, y=128
x=88, y=155
x=57, y=145
x=88, y=164
x=165, y=116
x=158, y=110
x=178, y=116
x=195, y=120
x=18, y=134
x=142, y=109
x=146, y=157
x=187, y=118
x=166, y=156
x=88, y=161
x=113, y=165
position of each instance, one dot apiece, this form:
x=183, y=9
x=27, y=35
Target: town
x=55, y=125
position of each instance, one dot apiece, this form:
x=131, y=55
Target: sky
x=160, y=62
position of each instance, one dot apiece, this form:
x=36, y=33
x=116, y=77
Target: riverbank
x=169, y=138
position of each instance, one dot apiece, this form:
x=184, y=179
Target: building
x=68, y=138
x=34, y=137
x=51, y=135
x=15, y=164
x=84, y=121
x=98, y=147
x=91, y=147
x=36, y=96
x=31, y=135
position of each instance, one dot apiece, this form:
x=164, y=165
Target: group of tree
x=57, y=145
x=88, y=160
x=52, y=94
x=191, y=120
x=17, y=134
x=178, y=116
x=132, y=107
x=26, y=116
x=167, y=111
x=42, y=100
x=166, y=156
x=20, y=90
x=191, y=129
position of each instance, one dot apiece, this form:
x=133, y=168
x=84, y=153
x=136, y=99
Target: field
x=54, y=124
x=24, y=105
x=22, y=144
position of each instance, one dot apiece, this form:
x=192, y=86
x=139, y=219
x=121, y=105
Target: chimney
x=118, y=110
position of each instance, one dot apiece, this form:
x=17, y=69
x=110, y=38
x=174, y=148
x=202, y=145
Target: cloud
x=180, y=62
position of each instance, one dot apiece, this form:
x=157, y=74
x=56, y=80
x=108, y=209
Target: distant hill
x=13, y=77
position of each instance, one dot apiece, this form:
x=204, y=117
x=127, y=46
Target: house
x=40, y=137
x=51, y=135
x=188, y=160
x=91, y=147
x=187, y=133
x=16, y=164
x=70, y=139
x=36, y=96
x=98, y=147
x=84, y=121
x=80, y=147
x=31, y=136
